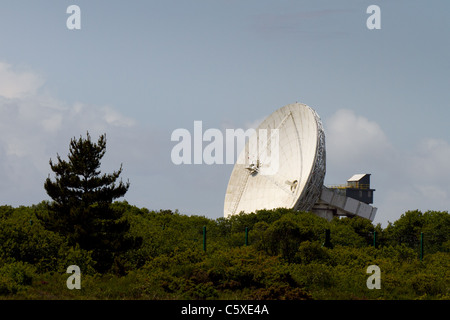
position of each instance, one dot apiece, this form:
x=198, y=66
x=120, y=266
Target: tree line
x=128, y=252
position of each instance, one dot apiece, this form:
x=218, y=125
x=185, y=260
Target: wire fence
x=422, y=243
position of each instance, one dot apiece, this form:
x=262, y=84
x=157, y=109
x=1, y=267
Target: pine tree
x=81, y=208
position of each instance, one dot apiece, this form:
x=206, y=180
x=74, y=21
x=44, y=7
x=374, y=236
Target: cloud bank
x=34, y=126
x=404, y=179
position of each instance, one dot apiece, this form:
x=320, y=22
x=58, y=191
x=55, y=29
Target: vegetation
x=125, y=252
x=81, y=209
x=284, y=259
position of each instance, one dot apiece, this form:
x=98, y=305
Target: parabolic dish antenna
x=282, y=165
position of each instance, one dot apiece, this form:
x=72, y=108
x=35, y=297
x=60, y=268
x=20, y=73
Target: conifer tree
x=81, y=208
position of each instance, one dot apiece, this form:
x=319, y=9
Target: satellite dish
x=282, y=165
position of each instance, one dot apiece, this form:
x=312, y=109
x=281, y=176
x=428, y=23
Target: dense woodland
x=285, y=257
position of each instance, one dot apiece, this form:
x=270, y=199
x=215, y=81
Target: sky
x=138, y=70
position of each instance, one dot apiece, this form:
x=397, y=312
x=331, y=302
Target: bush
x=285, y=258
x=15, y=277
x=243, y=270
x=76, y=256
x=23, y=238
x=311, y=251
x=425, y=284
x=435, y=225
x=279, y=292
x=284, y=236
x=314, y=275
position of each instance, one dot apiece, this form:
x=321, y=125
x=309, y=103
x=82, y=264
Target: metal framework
x=313, y=188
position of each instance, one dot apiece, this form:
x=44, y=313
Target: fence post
x=421, y=246
x=374, y=239
x=246, y=236
x=327, y=242
x=204, y=238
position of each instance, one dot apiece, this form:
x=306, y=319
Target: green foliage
x=285, y=258
x=434, y=224
x=15, y=276
x=23, y=238
x=81, y=210
x=283, y=236
x=76, y=256
x=311, y=251
x=355, y=231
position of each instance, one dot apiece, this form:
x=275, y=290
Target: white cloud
x=14, y=84
x=428, y=169
x=431, y=161
x=403, y=179
x=353, y=140
x=52, y=123
x=34, y=127
x=114, y=118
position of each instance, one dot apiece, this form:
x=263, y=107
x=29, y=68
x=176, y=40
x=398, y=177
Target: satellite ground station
x=287, y=169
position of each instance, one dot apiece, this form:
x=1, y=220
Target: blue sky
x=138, y=70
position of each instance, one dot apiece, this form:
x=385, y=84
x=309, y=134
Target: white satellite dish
x=296, y=180
x=283, y=165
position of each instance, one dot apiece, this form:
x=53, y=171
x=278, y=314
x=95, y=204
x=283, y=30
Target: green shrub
x=311, y=251
x=314, y=275
x=426, y=284
x=76, y=256
x=285, y=258
x=23, y=238
x=15, y=276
